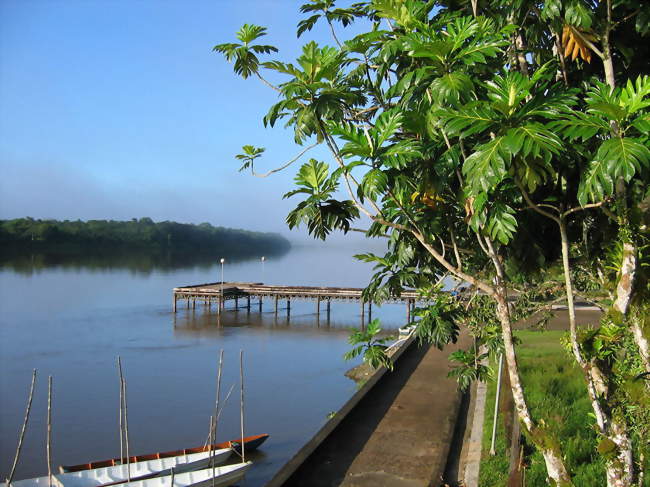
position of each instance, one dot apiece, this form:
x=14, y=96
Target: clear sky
x=120, y=109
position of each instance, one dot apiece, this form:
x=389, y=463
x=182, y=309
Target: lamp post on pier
x=222, y=300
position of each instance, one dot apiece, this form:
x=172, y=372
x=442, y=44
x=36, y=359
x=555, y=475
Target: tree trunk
x=550, y=449
x=608, y=63
x=637, y=319
x=555, y=467
x=620, y=470
x=625, y=284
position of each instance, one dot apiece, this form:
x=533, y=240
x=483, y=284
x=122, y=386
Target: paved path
x=399, y=433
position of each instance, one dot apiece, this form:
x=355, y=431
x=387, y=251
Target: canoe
x=223, y=476
x=117, y=474
x=250, y=444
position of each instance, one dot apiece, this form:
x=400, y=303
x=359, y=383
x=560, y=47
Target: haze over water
x=72, y=323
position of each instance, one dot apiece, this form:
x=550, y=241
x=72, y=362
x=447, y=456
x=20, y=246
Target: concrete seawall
x=396, y=431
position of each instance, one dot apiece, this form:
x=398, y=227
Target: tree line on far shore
x=28, y=235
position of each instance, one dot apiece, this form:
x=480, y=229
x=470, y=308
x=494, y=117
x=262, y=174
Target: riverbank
x=399, y=434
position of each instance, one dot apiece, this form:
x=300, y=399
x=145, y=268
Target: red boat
x=250, y=443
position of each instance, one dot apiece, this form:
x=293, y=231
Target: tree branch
x=586, y=207
x=534, y=205
x=270, y=85
x=278, y=169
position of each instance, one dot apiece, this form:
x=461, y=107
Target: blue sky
x=120, y=109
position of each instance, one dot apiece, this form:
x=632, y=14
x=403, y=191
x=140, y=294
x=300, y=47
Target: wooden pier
x=219, y=293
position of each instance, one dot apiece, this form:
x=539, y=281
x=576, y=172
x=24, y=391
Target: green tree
x=444, y=129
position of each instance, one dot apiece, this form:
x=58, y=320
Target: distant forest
x=107, y=237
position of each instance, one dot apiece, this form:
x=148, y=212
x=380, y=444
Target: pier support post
x=194, y=303
x=329, y=301
x=260, y=304
x=248, y=303
x=408, y=311
x=318, y=306
x=288, y=306
x=236, y=302
x=188, y=302
x=174, y=303
x=370, y=311
x=276, y=305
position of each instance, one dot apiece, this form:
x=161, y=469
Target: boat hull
x=114, y=475
x=250, y=444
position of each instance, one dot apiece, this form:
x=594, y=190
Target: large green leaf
x=634, y=96
x=386, y=125
x=373, y=184
x=451, y=87
x=312, y=174
x=616, y=158
x=469, y=120
x=623, y=157
x=487, y=167
x=596, y=183
x=579, y=125
x=501, y=223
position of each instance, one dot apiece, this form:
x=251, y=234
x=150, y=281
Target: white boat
x=120, y=473
x=218, y=477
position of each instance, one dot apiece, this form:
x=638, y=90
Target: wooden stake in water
x=22, y=431
x=119, y=369
x=49, y=429
x=124, y=421
x=218, y=398
x=241, y=382
x=211, y=442
x=216, y=408
x=126, y=431
x=223, y=405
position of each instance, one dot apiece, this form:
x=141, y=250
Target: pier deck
x=221, y=292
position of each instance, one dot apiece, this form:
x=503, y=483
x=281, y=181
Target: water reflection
x=138, y=262
x=203, y=320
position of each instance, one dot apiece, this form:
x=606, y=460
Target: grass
x=556, y=393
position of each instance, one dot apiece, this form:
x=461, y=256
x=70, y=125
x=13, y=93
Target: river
x=72, y=322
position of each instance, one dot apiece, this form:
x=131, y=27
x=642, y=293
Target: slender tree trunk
x=637, y=318
x=608, y=63
x=521, y=55
x=555, y=467
x=550, y=450
x=619, y=470
x=625, y=284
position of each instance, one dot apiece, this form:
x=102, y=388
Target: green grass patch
x=556, y=394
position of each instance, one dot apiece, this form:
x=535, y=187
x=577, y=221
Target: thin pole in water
x=125, y=408
x=49, y=429
x=22, y=431
x=216, y=409
x=222, y=297
x=241, y=382
x=211, y=443
x=119, y=369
